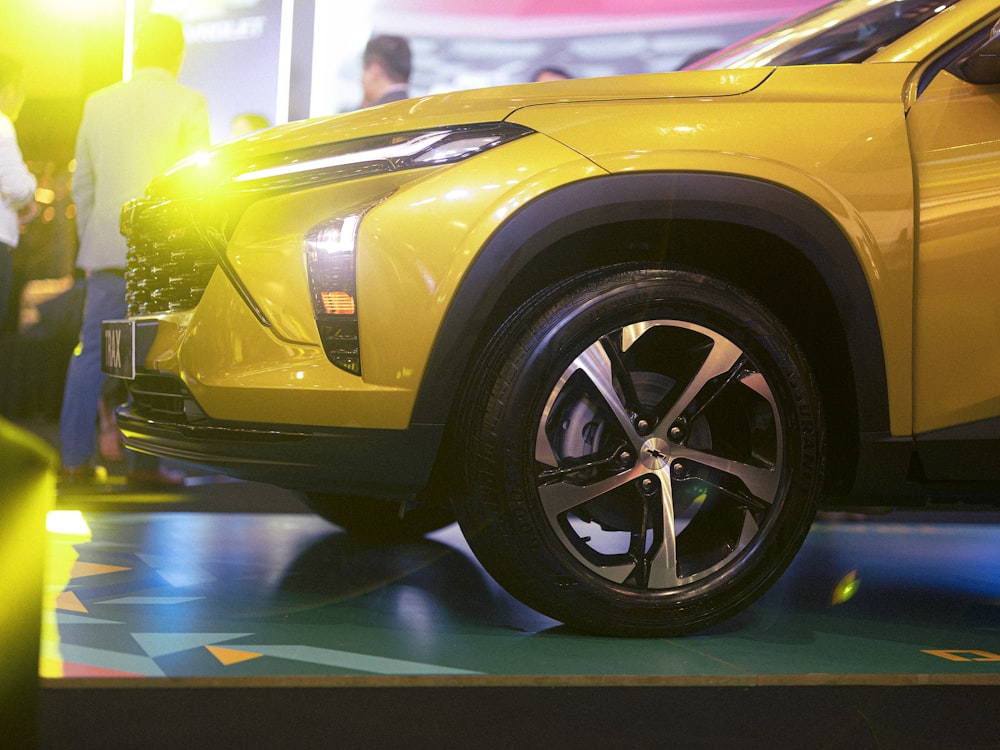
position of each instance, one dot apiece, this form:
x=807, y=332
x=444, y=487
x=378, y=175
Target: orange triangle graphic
x=229, y=656
x=67, y=600
x=83, y=569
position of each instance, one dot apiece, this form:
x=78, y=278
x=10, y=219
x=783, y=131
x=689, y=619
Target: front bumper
x=388, y=464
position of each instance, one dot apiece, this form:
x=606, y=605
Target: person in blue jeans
x=105, y=300
x=131, y=132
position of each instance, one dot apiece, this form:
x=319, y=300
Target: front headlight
x=330, y=252
x=318, y=165
x=331, y=246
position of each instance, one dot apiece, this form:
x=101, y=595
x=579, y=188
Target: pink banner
x=606, y=8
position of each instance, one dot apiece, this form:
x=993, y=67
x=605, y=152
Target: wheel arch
x=772, y=241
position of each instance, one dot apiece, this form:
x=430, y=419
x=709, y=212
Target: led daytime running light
x=321, y=164
x=383, y=153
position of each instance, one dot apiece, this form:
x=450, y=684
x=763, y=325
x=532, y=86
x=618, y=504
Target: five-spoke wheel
x=643, y=452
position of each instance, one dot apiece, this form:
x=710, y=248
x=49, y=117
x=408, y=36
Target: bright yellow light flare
x=45, y=195
x=846, y=588
x=68, y=522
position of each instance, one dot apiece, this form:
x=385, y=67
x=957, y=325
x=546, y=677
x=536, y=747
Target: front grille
x=170, y=258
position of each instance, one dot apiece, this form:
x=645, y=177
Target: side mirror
x=982, y=67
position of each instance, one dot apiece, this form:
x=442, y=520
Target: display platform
x=198, y=624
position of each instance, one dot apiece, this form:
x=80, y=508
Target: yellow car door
x=955, y=133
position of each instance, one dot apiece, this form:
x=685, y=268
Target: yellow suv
x=631, y=332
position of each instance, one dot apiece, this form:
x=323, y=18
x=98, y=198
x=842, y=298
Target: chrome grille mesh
x=169, y=260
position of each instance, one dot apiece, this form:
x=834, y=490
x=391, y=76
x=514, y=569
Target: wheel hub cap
x=655, y=454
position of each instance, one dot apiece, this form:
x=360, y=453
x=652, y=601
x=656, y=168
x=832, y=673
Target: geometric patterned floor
x=253, y=597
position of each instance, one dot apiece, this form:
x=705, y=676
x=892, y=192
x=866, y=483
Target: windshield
x=846, y=31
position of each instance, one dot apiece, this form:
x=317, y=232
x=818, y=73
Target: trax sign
x=118, y=348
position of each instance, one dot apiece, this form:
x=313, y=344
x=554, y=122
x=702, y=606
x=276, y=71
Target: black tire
x=380, y=520
x=643, y=452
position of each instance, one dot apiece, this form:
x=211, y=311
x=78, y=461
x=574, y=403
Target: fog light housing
x=330, y=250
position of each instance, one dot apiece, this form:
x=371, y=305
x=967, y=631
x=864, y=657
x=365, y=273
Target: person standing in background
x=131, y=132
x=17, y=183
x=550, y=73
x=385, y=70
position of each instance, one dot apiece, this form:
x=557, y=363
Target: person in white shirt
x=17, y=183
x=131, y=132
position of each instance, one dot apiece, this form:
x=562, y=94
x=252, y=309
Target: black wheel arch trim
x=600, y=201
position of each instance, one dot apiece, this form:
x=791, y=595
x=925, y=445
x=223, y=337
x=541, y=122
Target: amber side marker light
x=337, y=303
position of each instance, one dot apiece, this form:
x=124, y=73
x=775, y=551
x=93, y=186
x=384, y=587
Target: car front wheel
x=643, y=449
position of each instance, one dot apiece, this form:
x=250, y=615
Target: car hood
x=498, y=103
x=207, y=171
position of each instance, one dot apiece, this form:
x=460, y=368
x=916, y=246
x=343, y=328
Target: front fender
x=660, y=196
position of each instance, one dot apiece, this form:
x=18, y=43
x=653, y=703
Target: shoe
x=145, y=478
x=83, y=477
